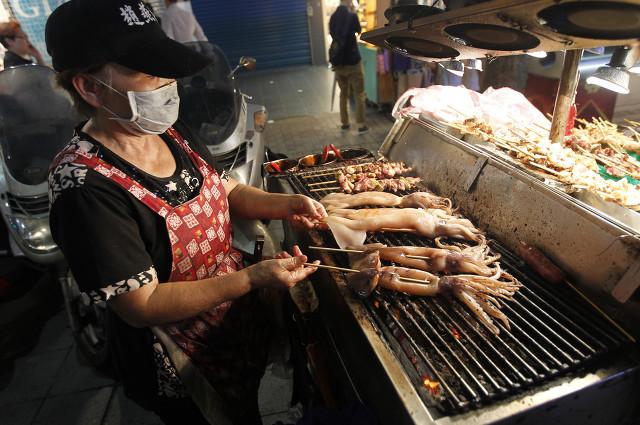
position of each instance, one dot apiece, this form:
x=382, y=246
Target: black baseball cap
x=83, y=33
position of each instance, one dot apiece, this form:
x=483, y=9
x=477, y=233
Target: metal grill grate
x=454, y=362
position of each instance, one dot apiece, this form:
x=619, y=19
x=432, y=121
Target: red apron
x=223, y=348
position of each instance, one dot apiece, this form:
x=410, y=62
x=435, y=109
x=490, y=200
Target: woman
x=19, y=50
x=144, y=221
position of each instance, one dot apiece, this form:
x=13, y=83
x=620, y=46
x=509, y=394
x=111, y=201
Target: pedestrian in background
x=20, y=51
x=345, y=58
x=180, y=24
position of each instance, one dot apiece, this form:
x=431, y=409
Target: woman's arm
x=252, y=203
x=155, y=304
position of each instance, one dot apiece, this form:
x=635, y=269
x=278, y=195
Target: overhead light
x=475, y=64
x=454, y=67
x=622, y=57
x=615, y=76
x=614, y=79
x=539, y=55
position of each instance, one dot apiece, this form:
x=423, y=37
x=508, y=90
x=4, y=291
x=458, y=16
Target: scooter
x=37, y=119
x=213, y=107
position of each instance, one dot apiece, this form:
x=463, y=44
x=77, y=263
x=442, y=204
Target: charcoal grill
x=428, y=360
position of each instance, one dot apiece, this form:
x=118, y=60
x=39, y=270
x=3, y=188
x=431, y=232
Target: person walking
x=345, y=59
x=180, y=24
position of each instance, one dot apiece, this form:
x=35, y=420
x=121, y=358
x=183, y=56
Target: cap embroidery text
x=131, y=18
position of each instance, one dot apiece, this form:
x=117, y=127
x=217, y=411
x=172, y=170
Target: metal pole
x=566, y=94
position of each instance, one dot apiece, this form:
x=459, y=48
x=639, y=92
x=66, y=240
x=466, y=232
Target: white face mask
x=152, y=112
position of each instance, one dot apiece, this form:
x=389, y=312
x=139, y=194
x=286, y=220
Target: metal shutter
x=275, y=32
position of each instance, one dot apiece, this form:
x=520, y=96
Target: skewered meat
x=437, y=259
x=480, y=294
x=381, y=170
x=602, y=133
x=384, y=199
x=350, y=227
x=576, y=162
x=346, y=185
x=363, y=182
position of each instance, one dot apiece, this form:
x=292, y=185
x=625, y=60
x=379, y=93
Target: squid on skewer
x=436, y=259
x=478, y=293
x=350, y=227
x=384, y=199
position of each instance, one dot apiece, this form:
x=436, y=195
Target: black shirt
x=114, y=243
x=12, y=59
x=343, y=27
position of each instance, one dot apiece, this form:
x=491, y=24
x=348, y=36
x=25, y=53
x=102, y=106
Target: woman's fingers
x=303, y=221
x=303, y=272
x=320, y=211
x=283, y=254
x=306, y=206
x=297, y=251
x=293, y=263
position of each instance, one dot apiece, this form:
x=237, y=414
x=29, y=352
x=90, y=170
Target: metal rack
x=453, y=361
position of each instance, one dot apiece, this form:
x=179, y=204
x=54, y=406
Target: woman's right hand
x=282, y=272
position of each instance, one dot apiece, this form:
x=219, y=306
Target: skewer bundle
x=597, y=142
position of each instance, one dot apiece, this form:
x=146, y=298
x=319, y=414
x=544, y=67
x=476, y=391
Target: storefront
x=276, y=32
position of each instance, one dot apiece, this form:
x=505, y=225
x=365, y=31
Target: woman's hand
x=282, y=272
x=305, y=211
x=35, y=53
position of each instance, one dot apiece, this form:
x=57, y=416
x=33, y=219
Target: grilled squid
x=424, y=200
x=480, y=294
x=435, y=259
x=349, y=227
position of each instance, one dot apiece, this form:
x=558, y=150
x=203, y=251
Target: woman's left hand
x=305, y=211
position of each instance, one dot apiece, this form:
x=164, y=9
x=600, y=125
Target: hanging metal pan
x=607, y=20
x=420, y=49
x=405, y=12
x=492, y=37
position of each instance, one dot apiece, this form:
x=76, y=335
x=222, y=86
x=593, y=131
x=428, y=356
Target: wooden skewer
x=537, y=133
x=540, y=126
x=605, y=161
x=542, y=167
x=311, y=176
x=338, y=269
x=324, y=248
x=318, y=189
x=321, y=183
x=357, y=251
x=615, y=164
x=634, y=123
x=505, y=145
x=342, y=269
